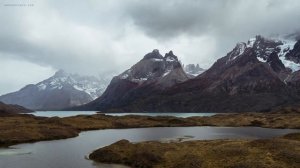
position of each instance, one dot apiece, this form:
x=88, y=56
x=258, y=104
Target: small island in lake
x=283, y=152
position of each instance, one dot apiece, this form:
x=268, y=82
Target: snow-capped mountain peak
x=153, y=73
x=170, y=57
x=264, y=47
x=62, y=90
x=151, y=67
x=88, y=84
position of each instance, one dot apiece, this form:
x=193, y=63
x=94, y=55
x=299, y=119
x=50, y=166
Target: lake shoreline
x=281, y=151
x=27, y=128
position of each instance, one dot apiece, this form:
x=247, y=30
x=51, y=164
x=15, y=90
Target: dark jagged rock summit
x=62, y=90
x=193, y=70
x=151, y=75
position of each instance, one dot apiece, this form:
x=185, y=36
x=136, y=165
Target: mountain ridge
x=12, y=109
x=152, y=74
x=60, y=91
x=255, y=76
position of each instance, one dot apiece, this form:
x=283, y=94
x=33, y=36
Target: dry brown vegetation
x=282, y=152
x=27, y=128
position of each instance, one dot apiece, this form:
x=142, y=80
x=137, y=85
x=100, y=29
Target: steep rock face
x=294, y=80
x=254, y=76
x=294, y=54
x=244, y=73
x=150, y=75
x=266, y=47
x=275, y=63
x=193, y=70
x=60, y=91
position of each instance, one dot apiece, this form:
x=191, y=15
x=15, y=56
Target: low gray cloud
x=225, y=18
x=94, y=37
x=227, y=21
x=171, y=18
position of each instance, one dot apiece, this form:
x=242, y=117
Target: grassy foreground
x=20, y=128
x=282, y=152
x=27, y=128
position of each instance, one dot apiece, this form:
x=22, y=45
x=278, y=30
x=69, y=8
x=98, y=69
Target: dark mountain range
x=153, y=74
x=60, y=91
x=255, y=76
x=12, y=109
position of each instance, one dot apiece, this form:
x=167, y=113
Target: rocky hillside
x=62, y=90
x=12, y=109
x=153, y=74
x=256, y=75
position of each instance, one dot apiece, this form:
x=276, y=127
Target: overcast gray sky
x=99, y=36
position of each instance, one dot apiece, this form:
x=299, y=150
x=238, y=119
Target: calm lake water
x=62, y=113
x=72, y=152
x=74, y=113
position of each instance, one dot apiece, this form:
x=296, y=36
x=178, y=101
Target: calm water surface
x=62, y=113
x=183, y=115
x=74, y=113
x=72, y=152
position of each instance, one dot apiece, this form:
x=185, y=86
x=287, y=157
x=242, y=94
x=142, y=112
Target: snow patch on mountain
x=166, y=73
x=42, y=86
x=125, y=75
x=251, y=42
x=91, y=85
x=290, y=64
x=78, y=88
x=286, y=46
x=237, y=51
x=261, y=59
x=264, y=47
x=170, y=59
x=157, y=59
x=151, y=67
